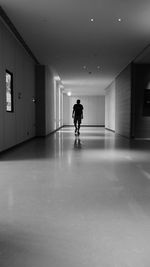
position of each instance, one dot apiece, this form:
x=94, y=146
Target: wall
x=49, y=101
x=123, y=102
x=66, y=110
x=129, y=119
x=110, y=106
x=93, y=113
x=17, y=126
x=53, y=100
x=141, y=79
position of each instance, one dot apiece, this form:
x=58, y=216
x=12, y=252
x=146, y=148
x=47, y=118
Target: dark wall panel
x=141, y=114
x=40, y=100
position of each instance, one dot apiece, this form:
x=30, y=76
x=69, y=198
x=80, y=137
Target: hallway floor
x=74, y=202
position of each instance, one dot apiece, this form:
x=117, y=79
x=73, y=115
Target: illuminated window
x=9, y=91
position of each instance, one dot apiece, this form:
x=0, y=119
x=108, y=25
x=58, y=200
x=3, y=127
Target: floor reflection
x=69, y=201
x=77, y=143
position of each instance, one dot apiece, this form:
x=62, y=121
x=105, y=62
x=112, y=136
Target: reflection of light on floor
x=113, y=155
x=69, y=159
x=95, y=137
x=83, y=130
x=66, y=130
x=146, y=174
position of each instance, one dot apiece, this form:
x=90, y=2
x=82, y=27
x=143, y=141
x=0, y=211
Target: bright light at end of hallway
x=69, y=94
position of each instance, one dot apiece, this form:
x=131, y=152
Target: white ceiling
x=60, y=34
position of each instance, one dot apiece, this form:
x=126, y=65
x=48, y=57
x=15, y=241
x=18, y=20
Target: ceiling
x=87, y=54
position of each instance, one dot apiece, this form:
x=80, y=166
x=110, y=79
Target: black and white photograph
x=74, y=133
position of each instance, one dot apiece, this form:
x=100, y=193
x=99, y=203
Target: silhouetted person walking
x=77, y=115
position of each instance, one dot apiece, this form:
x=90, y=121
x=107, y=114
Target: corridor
x=74, y=202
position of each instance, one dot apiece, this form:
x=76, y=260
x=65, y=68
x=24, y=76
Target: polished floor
x=74, y=202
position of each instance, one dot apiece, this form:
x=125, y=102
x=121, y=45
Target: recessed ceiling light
x=119, y=19
x=92, y=19
x=69, y=94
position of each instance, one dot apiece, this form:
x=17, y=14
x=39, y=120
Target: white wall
x=66, y=109
x=49, y=101
x=110, y=107
x=53, y=100
x=93, y=113
x=17, y=126
x=50, y=116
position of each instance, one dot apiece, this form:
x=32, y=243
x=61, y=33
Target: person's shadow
x=77, y=143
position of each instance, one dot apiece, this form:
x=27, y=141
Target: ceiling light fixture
x=69, y=94
x=84, y=67
x=119, y=19
x=98, y=67
x=92, y=19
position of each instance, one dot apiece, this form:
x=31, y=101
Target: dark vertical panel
x=40, y=100
x=123, y=102
x=141, y=119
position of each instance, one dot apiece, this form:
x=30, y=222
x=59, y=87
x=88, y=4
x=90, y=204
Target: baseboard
x=55, y=130
x=141, y=138
x=110, y=130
